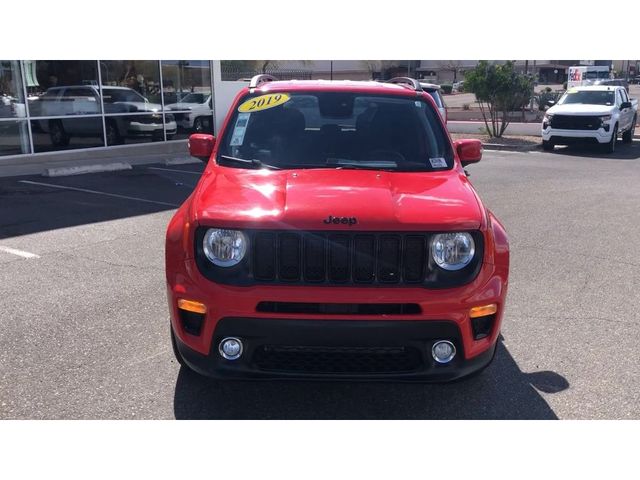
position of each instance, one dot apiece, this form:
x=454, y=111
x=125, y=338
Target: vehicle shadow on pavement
x=623, y=151
x=32, y=204
x=500, y=392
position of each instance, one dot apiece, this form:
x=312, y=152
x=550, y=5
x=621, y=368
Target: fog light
x=443, y=351
x=230, y=348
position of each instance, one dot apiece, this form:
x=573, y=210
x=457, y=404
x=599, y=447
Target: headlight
x=452, y=251
x=605, y=118
x=224, y=248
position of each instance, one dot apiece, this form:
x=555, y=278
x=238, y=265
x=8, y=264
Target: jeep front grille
x=339, y=258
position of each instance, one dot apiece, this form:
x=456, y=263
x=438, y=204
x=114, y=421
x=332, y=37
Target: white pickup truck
x=595, y=114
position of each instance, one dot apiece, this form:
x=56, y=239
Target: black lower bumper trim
x=560, y=140
x=396, y=350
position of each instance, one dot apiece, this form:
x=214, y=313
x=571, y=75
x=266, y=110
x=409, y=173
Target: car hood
x=304, y=199
x=580, y=109
x=142, y=106
x=181, y=106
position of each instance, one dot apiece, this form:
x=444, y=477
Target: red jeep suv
x=334, y=234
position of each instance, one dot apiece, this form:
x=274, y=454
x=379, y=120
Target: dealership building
x=74, y=112
x=59, y=111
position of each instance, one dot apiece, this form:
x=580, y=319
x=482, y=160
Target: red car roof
x=336, y=86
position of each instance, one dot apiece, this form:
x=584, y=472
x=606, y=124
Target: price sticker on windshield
x=263, y=102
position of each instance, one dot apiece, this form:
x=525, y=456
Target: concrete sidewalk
x=142, y=154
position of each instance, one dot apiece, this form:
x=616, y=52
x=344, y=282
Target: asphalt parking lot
x=84, y=323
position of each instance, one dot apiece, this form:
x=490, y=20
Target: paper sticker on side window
x=438, y=162
x=240, y=128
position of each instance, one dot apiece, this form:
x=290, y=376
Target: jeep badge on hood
x=344, y=220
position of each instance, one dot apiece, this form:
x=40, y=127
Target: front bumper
x=143, y=129
x=232, y=311
x=564, y=136
x=336, y=350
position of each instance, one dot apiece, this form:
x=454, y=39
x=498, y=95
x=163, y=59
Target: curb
x=84, y=169
x=517, y=148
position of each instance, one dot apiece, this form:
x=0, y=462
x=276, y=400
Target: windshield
x=591, y=75
x=113, y=95
x=602, y=97
x=194, y=98
x=436, y=97
x=335, y=130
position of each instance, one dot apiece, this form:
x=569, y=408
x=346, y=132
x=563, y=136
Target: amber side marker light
x=192, y=306
x=483, y=311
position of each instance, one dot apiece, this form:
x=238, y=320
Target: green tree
x=499, y=89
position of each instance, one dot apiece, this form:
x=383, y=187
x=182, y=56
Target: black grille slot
x=315, y=259
x=264, y=256
x=364, y=260
x=389, y=259
x=289, y=254
x=339, y=258
x=340, y=308
x=337, y=360
x=414, y=258
x=575, y=122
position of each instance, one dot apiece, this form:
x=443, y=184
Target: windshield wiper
x=250, y=161
x=353, y=166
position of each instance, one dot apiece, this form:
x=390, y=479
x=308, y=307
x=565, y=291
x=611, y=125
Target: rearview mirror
x=624, y=105
x=201, y=146
x=469, y=151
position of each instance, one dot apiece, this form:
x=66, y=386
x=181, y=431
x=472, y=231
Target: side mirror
x=624, y=105
x=201, y=146
x=469, y=151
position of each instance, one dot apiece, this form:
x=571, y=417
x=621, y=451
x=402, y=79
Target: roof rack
x=410, y=82
x=260, y=79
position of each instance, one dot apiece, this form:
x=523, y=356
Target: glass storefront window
x=187, y=94
x=14, y=137
x=11, y=91
x=137, y=128
x=57, y=105
x=141, y=76
x=66, y=133
x=62, y=87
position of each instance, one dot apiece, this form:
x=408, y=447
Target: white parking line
x=19, y=253
x=173, y=170
x=96, y=192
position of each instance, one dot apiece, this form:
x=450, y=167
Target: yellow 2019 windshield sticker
x=263, y=102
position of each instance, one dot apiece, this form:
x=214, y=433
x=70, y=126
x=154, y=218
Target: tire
x=198, y=125
x=627, y=137
x=547, y=146
x=59, y=137
x=113, y=135
x=176, y=352
x=611, y=146
x=157, y=136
